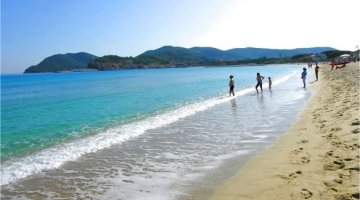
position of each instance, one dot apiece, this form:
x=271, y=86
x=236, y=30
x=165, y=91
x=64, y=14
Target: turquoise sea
x=120, y=119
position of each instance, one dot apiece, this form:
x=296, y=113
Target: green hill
x=169, y=56
x=62, y=62
x=173, y=53
x=209, y=53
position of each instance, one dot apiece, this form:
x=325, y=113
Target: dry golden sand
x=319, y=157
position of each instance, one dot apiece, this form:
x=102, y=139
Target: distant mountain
x=253, y=53
x=62, y=62
x=170, y=56
x=174, y=53
x=209, y=53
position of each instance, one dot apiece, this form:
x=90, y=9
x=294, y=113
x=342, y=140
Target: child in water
x=270, y=83
x=231, y=85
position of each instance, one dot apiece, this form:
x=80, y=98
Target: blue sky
x=32, y=30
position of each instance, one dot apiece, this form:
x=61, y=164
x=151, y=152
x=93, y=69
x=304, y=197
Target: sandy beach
x=319, y=156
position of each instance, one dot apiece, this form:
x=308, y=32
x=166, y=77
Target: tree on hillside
x=334, y=53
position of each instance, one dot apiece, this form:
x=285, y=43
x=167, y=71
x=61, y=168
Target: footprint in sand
x=356, y=195
x=356, y=122
x=331, y=136
x=303, y=141
x=345, y=174
x=353, y=169
x=336, y=143
x=356, y=131
x=291, y=176
x=299, y=157
x=297, y=151
x=339, y=114
x=332, y=166
x=347, y=196
x=336, y=129
x=352, y=147
x=305, y=193
x=305, y=159
x=329, y=183
x=338, y=180
x=330, y=153
x=339, y=163
x=334, y=182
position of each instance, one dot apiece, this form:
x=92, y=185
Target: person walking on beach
x=231, y=85
x=317, y=71
x=333, y=64
x=270, y=83
x=259, y=79
x=303, y=76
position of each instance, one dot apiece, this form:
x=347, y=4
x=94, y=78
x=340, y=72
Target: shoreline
x=318, y=157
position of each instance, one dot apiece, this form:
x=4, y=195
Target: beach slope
x=319, y=156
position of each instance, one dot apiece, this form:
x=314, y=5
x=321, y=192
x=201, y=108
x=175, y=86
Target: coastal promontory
x=62, y=62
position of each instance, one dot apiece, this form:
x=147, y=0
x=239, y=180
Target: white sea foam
x=56, y=156
x=168, y=184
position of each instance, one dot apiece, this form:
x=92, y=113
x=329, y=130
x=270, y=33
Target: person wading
x=231, y=85
x=259, y=79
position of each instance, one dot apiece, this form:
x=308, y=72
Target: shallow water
x=169, y=155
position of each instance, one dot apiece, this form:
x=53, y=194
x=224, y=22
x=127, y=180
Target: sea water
x=136, y=134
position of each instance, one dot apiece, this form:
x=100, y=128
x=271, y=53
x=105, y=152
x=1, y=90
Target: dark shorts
x=259, y=84
x=231, y=87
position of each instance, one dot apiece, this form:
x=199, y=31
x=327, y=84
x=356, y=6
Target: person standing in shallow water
x=270, y=83
x=231, y=85
x=316, y=72
x=303, y=76
x=259, y=79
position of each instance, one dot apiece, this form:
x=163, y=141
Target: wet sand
x=319, y=156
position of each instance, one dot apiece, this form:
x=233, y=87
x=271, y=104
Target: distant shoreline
x=173, y=57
